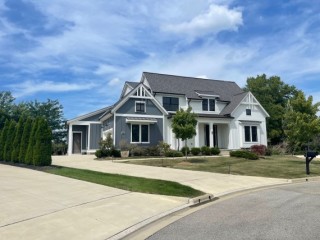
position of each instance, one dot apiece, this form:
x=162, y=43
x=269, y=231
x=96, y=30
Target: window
x=208, y=105
x=170, y=103
x=248, y=112
x=139, y=133
x=140, y=106
x=250, y=134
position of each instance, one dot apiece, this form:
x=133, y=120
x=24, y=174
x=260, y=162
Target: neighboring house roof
x=190, y=86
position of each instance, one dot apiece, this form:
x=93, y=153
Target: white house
x=228, y=117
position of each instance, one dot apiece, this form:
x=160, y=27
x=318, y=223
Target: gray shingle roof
x=132, y=84
x=189, y=86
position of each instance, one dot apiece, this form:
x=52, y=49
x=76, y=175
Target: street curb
x=191, y=202
x=306, y=179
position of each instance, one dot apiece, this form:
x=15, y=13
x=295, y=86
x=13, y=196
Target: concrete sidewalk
x=215, y=183
x=37, y=205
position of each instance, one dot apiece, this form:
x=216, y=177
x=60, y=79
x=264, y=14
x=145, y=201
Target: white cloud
x=31, y=87
x=216, y=19
x=114, y=82
x=105, y=69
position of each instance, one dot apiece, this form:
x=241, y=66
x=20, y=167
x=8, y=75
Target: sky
x=82, y=52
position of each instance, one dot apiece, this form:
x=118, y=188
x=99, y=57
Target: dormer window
x=140, y=106
x=248, y=112
x=208, y=105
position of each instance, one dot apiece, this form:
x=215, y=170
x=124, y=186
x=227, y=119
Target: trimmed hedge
x=215, y=151
x=205, y=150
x=244, y=154
x=183, y=150
x=195, y=151
x=173, y=153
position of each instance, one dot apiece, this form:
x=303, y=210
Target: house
x=228, y=117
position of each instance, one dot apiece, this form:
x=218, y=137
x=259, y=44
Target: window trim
x=251, y=133
x=135, y=106
x=140, y=133
x=208, y=104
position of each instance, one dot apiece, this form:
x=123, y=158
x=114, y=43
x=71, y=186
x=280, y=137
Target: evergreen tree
x=3, y=139
x=42, y=149
x=25, y=140
x=31, y=143
x=8, y=147
x=17, y=140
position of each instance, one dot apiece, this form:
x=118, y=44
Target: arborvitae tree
x=3, y=139
x=31, y=143
x=8, y=147
x=17, y=140
x=42, y=149
x=25, y=140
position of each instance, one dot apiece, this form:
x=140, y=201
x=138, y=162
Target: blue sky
x=81, y=52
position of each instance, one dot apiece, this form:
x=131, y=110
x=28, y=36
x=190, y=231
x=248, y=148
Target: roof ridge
x=205, y=79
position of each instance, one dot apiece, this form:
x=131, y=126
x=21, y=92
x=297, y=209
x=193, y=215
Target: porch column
x=88, y=135
x=196, y=137
x=211, y=134
x=70, y=138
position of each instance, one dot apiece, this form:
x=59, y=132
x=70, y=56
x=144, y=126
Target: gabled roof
x=189, y=86
x=97, y=112
x=234, y=103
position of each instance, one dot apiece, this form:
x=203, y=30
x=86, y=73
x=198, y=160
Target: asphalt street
x=285, y=212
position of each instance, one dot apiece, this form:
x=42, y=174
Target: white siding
x=197, y=107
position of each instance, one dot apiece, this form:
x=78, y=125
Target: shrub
x=137, y=151
x=268, y=151
x=98, y=153
x=43, y=144
x=258, y=149
x=215, y=151
x=115, y=153
x=174, y=153
x=59, y=148
x=244, y=154
x=183, y=150
x=163, y=147
x=152, y=151
x=8, y=147
x=195, y=151
x=205, y=150
x=25, y=140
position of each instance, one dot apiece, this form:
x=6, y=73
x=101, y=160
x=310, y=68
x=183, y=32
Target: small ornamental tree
x=25, y=140
x=17, y=140
x=3, y=139
x=183, y=125
x=43, y=144
x=31, y=143
x=8, y=147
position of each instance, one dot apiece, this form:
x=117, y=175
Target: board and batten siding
x=95, y=135
x=129, y=107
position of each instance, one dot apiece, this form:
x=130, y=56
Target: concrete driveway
x=37, y=205
x=215, y=183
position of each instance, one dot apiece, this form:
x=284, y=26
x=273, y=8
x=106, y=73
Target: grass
x=274, y=166
x=134, y=184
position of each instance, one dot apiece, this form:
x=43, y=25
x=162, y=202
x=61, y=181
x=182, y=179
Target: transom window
x=140, y=106
x=170, y=103
x=208, y=105
x=140, y=133
x=248, y=112
x=250, y=134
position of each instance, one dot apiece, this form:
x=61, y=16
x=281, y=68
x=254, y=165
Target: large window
x=208, y=105
x=139, y=133
x=140, y=106
x=250, y=134
x=170, y=103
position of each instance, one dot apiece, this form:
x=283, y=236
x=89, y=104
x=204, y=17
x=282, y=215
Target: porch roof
x=140, y=120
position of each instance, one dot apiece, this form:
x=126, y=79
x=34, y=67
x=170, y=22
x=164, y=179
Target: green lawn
x=135, y=184
x=274, y=166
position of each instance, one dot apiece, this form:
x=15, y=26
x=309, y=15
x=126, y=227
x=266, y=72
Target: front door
x=76, y=143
